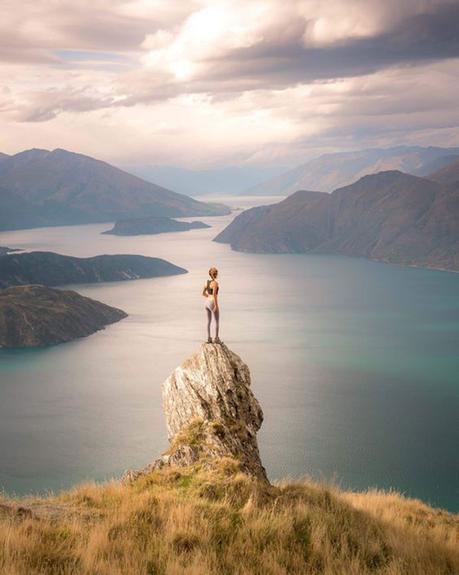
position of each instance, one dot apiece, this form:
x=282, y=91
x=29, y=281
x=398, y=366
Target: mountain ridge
x=330, y=171
x=389, y=216
x=52, y=269
x=42, y=187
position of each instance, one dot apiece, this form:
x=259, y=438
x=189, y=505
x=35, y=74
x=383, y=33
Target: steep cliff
x=211, y=413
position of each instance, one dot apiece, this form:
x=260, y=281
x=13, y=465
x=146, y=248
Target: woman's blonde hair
x=213, y=272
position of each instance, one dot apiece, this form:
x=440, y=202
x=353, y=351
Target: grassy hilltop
x=196, y=521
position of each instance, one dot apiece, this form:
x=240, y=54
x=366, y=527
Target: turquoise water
x=355, y=363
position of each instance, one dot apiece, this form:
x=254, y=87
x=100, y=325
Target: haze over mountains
x=331, y=171
x=389, y=216
x=221, y=181
x=42, y=188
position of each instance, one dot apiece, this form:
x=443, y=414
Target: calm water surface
x=356, y=366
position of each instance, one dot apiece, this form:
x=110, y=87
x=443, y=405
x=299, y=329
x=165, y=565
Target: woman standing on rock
x=210, y=292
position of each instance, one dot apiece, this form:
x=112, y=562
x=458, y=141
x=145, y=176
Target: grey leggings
x=210, y=307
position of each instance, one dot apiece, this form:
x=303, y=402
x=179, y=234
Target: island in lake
x=37, y=316
x=49, y=268
x=152, y=225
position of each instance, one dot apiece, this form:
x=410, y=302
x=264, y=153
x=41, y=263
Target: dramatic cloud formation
x=204, y=82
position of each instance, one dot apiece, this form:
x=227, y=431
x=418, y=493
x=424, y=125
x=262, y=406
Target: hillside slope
x=447, y=175
x=33, y=316
x=190, y=521
x=206, y=507
x=49, y=268
x=389, y=216
x=41, y=188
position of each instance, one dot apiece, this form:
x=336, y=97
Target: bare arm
x=204, y=290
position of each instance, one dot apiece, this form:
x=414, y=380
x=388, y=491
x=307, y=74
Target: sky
x=207, y=83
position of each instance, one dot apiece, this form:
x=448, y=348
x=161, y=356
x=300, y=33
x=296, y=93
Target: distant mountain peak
x=335, y=170
x=65, y=152
x=59, y=187
x=32, y=153
x=70, y=154
x=386, y=176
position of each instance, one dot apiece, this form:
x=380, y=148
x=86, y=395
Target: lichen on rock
x=211, y=413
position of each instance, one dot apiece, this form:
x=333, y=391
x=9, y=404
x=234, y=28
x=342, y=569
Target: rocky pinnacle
x=211, y=413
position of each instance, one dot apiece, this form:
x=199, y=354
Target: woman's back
x=211, y=285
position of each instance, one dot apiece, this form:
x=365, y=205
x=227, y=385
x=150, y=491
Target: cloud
x=270, y=46
x=40, y=26
x=304, y=75
x=47, y=105
x=276, y=62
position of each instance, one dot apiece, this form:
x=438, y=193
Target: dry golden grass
x=195, y=522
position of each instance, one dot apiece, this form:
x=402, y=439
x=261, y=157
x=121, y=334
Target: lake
x=355, y=364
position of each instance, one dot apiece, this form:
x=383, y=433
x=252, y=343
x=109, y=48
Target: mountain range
x=45, y=188
x=389, y=216
x=331, y=171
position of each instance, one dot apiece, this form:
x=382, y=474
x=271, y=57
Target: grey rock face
x=211, y=413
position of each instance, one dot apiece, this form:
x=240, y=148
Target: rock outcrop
x=211, y=414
